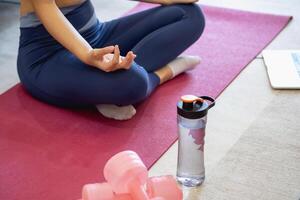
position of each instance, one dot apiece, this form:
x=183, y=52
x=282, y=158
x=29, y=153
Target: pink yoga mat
x=49, y=153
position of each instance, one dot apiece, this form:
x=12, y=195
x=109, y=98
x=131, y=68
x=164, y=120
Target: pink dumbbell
x=101, y=191
x=127, y=179
x=165, y=187
x=126, y=173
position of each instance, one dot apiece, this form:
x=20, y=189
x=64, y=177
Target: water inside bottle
x=190, y=168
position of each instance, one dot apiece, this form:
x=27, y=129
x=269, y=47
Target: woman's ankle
x=164, y=74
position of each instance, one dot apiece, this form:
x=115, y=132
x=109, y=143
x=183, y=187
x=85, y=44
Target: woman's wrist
x=84, y=54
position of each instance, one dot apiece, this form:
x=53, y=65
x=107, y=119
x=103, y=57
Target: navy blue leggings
x=158, y=35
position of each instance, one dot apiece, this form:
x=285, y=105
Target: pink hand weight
x=97, y=191
x=125, y=169
x=127, y=179
x=165, y=187
x=127, y=174
x=101, y=191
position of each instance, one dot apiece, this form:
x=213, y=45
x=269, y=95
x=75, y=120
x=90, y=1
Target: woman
x=67, y=57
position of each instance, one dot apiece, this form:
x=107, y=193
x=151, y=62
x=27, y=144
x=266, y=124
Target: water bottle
x=191, y=119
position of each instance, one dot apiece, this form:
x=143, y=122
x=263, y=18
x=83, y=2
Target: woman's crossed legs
x=157, y=36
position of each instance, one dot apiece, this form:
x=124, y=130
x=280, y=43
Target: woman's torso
x=27, y=7
x=37, y=46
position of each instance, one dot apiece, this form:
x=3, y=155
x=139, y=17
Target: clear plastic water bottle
x=191, y=119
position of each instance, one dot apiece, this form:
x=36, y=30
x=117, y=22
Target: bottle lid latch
x=188, y=101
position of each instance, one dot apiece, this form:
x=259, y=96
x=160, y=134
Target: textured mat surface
x=49, y=153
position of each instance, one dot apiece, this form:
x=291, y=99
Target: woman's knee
x=195, y=19
x=169, y=13
x=136, y=88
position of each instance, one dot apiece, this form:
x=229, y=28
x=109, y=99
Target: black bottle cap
x=193, y=107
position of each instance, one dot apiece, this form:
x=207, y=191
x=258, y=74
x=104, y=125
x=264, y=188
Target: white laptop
x=283, y=67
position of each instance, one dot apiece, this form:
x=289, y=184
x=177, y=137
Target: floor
x=252, y=149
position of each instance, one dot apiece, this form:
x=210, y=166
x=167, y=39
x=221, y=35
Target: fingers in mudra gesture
x=108, y=59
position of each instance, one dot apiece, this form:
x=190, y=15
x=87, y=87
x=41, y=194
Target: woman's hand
x=108, y=59
x=169, y=2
